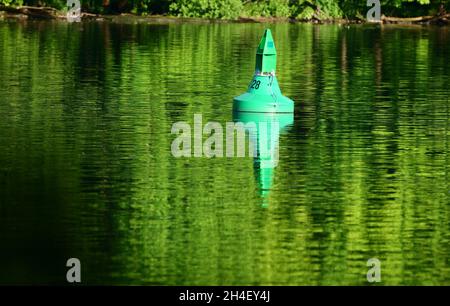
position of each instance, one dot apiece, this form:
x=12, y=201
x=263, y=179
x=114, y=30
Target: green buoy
x=263, y=94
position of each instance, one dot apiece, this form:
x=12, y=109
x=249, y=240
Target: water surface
x=86, y=168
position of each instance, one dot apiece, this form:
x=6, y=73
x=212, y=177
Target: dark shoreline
x=47, y=13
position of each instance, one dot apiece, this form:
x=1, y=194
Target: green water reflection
x=86, y=169
x=263, y=130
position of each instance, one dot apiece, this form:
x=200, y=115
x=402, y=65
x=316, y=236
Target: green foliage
x=11, y=2
x=306, y=14
x=206, y=8
x=231, y=9
x=267, y=8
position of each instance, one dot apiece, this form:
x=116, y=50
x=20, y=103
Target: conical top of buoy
x=266, y=54
x=263, y=93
